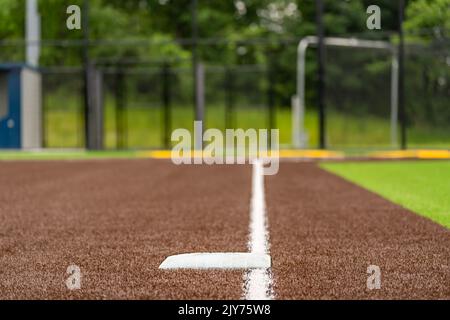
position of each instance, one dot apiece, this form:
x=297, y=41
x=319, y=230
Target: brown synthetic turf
x=325, y=232
x=119, y=219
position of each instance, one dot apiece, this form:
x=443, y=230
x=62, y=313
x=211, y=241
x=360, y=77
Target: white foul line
x=258, y=282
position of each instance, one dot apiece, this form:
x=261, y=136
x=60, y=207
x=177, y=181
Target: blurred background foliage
x=160, y=20
x=262, y=33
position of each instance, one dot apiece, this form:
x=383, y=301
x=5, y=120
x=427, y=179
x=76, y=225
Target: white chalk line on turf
x=258, y=282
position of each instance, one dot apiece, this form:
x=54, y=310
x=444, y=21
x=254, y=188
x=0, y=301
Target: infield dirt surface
x=119, y=219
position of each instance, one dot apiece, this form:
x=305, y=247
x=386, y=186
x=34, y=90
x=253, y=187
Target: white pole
x=296, y=121
x=200, y=106
x=33, y=33
x=298, y=131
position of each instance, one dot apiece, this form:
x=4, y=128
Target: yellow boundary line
x=321, y=154
x=411, y=154
x=283, y=154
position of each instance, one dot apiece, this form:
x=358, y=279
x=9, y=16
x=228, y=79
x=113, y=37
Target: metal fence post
x=96, y=110
x=167, y=125
x=198, y=75
x=321, y=73
x=86, y=73
x=401, y=79
x=121, y=125
x=200, y=103
x=271, y=96
x=229, y=101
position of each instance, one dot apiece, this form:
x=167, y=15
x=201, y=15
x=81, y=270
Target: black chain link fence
x=144, y=102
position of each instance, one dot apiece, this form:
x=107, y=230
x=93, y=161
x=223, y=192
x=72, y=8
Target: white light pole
x=33, y=33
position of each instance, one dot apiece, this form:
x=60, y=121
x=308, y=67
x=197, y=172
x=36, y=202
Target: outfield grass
x=64, y=127
x=421, y=186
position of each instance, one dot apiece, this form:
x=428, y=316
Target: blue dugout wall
x=20, y=107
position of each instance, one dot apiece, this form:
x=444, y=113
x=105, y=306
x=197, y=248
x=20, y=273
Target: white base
x=219, y=260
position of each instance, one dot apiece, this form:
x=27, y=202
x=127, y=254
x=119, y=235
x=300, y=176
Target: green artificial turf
x=64, y=125
x=421, y=186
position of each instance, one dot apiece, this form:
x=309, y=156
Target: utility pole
x=321, y=73
x=401, y=75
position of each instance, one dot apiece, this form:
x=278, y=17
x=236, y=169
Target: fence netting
x=358, y=88
x=144, y=101
x=427, y=95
